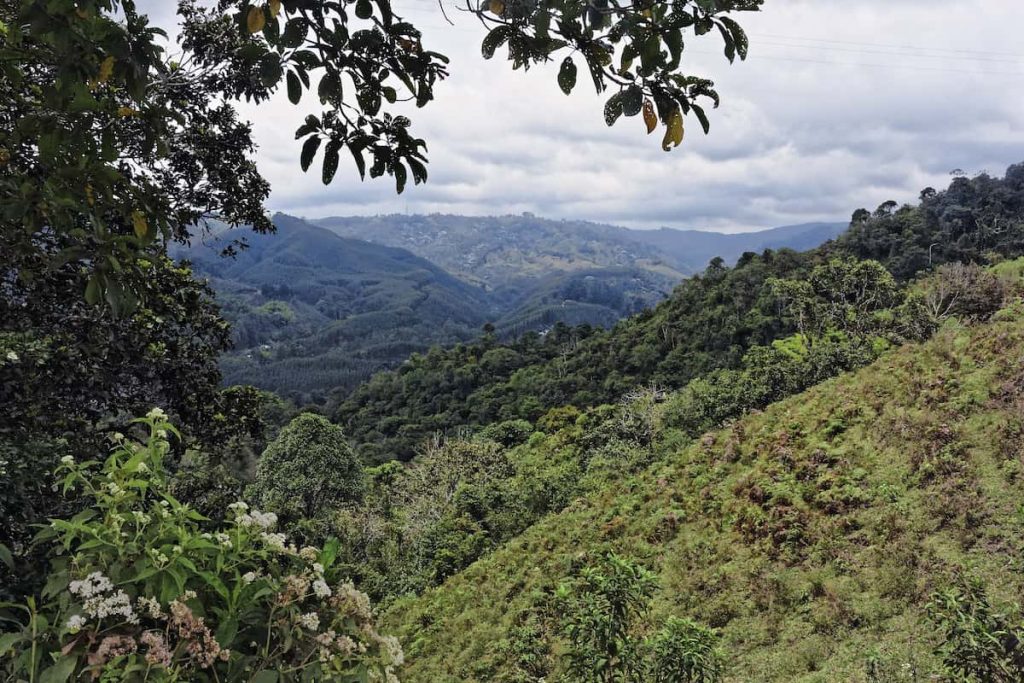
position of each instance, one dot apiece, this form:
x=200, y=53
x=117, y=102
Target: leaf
x=650, y=118
x=702, y=117
x=265, y=676
x=496, y=7
x=613, y=109
x=632, y=100
x=329, y=89
x=294, y=87
x=140, y=224
x=400, y=176
x=275, y=7
x=567, y=75
x=673, y=131
x=255, y=21
x=493, y=40
x=309, y=148
x=227, y=631
x=7, y=641
x=59, y=672
x=6, y=557
x=357, y=155
x=330, y=161
x=364, y=10
x=270, y=69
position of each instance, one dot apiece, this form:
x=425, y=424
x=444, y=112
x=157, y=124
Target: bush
x=979, y=642
x=685, y=652
x=137, y=590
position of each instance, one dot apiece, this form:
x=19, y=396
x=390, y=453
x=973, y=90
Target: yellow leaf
x=125, y=111
x=140, y=224
x=497, y=7
x=673, y=131
x=650, y=119
x=89, y=195
x=255, y=21
x=275, y=7
x=106, y=70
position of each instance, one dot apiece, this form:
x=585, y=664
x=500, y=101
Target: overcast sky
x=841, y=104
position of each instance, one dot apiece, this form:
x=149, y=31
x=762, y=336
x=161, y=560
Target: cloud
x=840, y=105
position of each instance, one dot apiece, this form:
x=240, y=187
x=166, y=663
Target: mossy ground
x=811, y=534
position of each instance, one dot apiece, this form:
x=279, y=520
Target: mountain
x=509, y=253
x=311, y=310
x=691, y=250
x=812, y=535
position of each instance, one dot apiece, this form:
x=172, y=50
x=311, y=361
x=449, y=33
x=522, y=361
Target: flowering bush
x=140, y=590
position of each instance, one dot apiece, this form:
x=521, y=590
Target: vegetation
x=811, y=536
x=709, y=322
x=140, y=590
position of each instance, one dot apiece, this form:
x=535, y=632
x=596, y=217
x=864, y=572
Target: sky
x=839, y=105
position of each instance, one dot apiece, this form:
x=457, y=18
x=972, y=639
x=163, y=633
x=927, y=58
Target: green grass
x=811, y=534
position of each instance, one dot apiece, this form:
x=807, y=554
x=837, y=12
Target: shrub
x=979, y=642
x=137, y=590
x=685, y=652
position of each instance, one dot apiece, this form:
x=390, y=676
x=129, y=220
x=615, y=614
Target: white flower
x=67, y=460
x=113, y=488
x=248, y=577
x=156, y=414
x=273, y=541
x=12, y=357
x=318, y=569
x=321, y=588
x=240, y=506
x=223, y=539
x=76, y=623
x=161, y=433
x=309, y=553
x=310, y=621
x=115, y=604
x=143, y=467
x=94, y=584
x=118, y=437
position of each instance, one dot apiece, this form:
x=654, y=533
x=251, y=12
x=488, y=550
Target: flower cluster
x=100, y=600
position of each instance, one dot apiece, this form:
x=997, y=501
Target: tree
x=308, y=471
x=112, y=144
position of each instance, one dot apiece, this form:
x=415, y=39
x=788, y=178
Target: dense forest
x=806, y=466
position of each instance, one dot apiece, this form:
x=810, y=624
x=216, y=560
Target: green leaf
x=294, y=87
x=93, y=290
x=8, y=641
x=702, y=117
x=294, y=32
x=227, y=631
x=6, y=557
x=330, y=161
x=59, y=672
x=357, y=155
x=265, y=676
x=309, y=148
x=270, y=69
x=364, y=10
x=567, y=75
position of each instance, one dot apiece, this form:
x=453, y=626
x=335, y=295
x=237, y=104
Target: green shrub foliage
x=143, y=588
x=308, y=471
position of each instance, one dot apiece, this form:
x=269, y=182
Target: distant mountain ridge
x=508, y=253
x=317, y=307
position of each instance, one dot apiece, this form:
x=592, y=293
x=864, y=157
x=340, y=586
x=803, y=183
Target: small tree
x=603, y=611
x=307, y=471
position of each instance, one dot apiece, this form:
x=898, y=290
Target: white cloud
x=840, y=105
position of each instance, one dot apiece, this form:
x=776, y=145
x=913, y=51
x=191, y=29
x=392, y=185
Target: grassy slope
x=810, y=534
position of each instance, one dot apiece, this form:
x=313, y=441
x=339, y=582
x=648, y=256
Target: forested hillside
x=824, y=538
x=708, y=322
x=311, y=311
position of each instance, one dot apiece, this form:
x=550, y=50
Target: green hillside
x=312, y=311
x=811, y=534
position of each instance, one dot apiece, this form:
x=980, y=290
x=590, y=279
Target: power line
x=755, y=42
